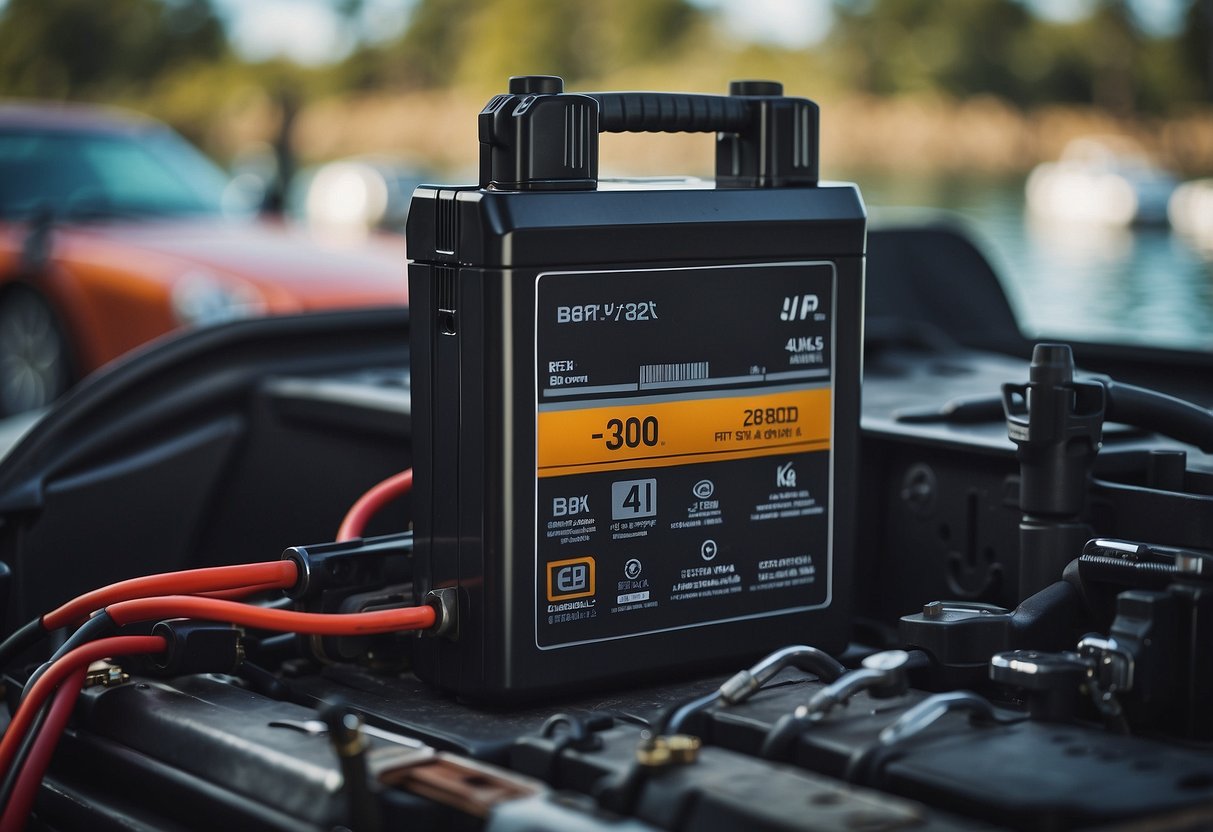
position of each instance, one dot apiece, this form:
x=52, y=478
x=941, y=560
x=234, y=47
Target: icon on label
x=572, y=578
x=785, y=475
x=631, y=569
x=632, y=499
x=798, y=308
x=708, y=549
x=703, y=489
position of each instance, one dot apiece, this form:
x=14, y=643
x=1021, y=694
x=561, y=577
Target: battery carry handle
x=671, y=112
x=537, y=137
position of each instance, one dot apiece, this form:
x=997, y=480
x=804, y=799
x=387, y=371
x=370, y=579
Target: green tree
x=467, y=41
x=967, y=47
x=959, y=46
x=1196, y=47
x=1115, y=46
x=86, y=49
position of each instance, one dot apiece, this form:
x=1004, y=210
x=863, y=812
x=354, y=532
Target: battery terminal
x=663, y=751
x=105, y=674
x=445, y=602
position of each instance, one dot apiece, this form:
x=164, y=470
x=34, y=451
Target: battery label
x=739, y=424
x=683, y=433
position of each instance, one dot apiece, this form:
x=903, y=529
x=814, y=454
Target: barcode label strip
x=659, y=373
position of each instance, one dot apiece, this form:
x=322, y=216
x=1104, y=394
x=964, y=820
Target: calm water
x=1148, y=286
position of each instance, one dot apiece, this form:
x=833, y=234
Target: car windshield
x=97, y=175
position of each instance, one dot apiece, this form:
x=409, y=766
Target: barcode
x=690, y=371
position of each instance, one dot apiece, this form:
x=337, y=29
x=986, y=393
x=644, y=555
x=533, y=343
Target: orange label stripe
x=698, y=430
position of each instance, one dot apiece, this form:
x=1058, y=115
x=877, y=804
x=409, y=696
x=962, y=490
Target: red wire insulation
x=277, y=573
x=238, y=593
x=82, y=656
x=132, y=610
x=308, y=623
x=371, y=502
x=25, y=789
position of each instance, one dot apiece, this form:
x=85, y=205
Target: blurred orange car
x=113, y=231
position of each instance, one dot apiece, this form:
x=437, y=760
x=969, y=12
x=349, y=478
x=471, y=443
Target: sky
x=311, y=32
x=307, y=31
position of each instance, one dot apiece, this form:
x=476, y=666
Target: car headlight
x=202, y=299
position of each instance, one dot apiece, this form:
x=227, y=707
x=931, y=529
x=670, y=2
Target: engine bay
x=1020, y=656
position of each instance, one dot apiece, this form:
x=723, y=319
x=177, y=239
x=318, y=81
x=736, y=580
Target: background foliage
x=172, y=58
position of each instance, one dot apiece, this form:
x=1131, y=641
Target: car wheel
x=34, y=367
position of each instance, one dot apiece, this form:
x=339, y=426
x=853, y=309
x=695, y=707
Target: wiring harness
x=198, y=612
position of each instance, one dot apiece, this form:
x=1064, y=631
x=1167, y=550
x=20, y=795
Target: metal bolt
x=105, y=674
x=653, y=754
x=658, y=752
x=1188, y=565
x=684, y=748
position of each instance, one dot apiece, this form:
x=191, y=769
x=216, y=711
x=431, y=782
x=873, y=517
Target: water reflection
x=1072, y=280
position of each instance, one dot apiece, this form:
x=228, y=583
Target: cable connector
x=198, y=647
x=351, y=566
x=445, y=602
x=746, y=683
x=355, y=576
x=105, y=674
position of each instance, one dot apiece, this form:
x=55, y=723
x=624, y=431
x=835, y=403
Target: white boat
x=1190, y=209
x=1107, y=180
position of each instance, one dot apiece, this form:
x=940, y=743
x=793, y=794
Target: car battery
x=635, y=403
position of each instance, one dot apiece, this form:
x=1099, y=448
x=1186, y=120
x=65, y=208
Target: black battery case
x=616, y=388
